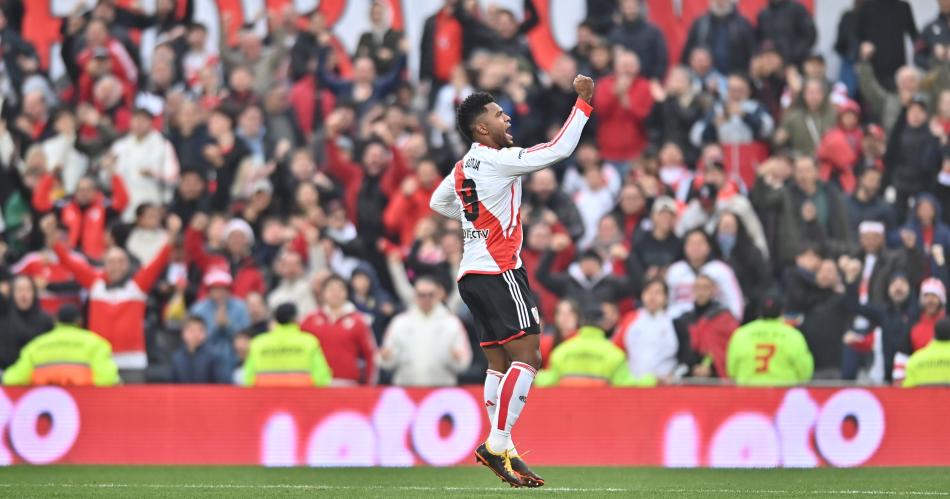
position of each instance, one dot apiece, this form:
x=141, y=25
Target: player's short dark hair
x=942, y=329
x=286, y=313
x=469, y=110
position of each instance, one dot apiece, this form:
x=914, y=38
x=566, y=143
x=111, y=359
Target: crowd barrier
x=675, y=426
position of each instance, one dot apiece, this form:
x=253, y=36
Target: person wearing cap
x=769, y=352
x=931, y=365
x=223, y=314
x=68, y=355
x=234, y=258
x=913, y=155
x=588, y=359
x=117, y=295
x=656, y=248
x=933, y=303
x=286, y=356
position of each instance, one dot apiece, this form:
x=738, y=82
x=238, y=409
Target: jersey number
x=469, y=199
x=763, y=356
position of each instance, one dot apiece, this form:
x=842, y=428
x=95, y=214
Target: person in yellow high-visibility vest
x=68, y=355
x=930, y=365
x=285, y=355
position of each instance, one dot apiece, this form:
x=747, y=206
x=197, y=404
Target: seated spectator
x=21, y=316
x=46, y=360
x=223, y=313
x=85, y=214
x=285, y=356
x=748, y=263
x=647, y=335
x=343, y=334
x=117, y=296
x=426, y=345
x=769, y=352
x=933, y=302
x=700, y=257
x=196, y=361
x=703, y=333
x=589, y=359
x=929, y=365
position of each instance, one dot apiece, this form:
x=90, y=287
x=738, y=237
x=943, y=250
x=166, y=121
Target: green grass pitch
x=477, y=482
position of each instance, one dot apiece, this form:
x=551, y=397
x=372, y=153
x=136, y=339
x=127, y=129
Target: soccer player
x=769, y=352
x=484, y=192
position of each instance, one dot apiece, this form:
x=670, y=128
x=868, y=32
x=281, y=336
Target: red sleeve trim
x=584, y=106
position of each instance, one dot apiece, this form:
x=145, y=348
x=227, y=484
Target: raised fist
x=584, y=86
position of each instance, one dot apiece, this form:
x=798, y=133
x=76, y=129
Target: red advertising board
x=679, y=426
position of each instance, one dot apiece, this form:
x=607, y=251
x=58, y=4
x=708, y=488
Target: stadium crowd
x=179, y=198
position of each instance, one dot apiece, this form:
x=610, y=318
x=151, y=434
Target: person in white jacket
x=426, y=345
x=147, y=163
x=698, y=258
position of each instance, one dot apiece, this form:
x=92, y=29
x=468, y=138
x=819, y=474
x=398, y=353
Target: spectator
x=847, y=45
x=822, y=306
x=294, y=283
x=741, y=254
x=594, y=187
x=146, y=162
x=366, y=87
x=85, y=214
x=426, y=345
x=196, y=361
x=381, y=42
x=191, y=196
x=567, y=320
x=768, y=352
x=703, y=333
x=44, y=361
x=343, y=334
x=62, y=150
x=928, y=366
x=654, y=250
x=788, y=25
x=933, y=301
x=411, y=203
x=885, y=103
x=839, y=152
x=21, y=316
x=258, y=312
x=726, y=33
x=913, y=155
x=225, y=154
x=588, y=281
x=631, y=212
x=636, y=34
x=808, y=121
x=892, y=21
x=146, y=237
x=736, y=120
x=234, y=258
x=926, y=229
x=285, y=356
x=648, y=337
x=699, y=257
x=19, y=57
x=543, y=201
x=589, y=359
x=933, y=38
x=117, y=296
x=223, y=313
x=372, y=300
x=867, y=204
x=441, y=49
x=261, y=62
x=624, y=102
x=676, y=108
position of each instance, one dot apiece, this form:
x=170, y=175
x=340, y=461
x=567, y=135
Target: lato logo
x=42, y=425
x=396, y=433
x=756, y=439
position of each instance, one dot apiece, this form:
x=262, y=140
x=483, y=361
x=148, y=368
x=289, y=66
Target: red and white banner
x=680, y=426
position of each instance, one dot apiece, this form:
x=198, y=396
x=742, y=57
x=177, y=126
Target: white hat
x=664, y=203
x=933, y=286
x=239, y=225
x=871, y=227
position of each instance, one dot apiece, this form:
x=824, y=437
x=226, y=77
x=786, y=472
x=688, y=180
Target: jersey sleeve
x=517, y=161
x=444, y=201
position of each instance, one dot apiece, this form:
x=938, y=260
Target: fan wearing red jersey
x=484, y=193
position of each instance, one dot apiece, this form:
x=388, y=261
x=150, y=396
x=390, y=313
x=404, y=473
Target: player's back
x=768, y=352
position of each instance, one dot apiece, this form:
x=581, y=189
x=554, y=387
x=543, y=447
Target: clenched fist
x=584, y=86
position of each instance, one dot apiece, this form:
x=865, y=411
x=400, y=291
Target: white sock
x=492, y=387
x=512, y=397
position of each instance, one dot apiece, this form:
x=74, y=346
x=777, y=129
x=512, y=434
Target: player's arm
x=516, y=161
x=444, y=201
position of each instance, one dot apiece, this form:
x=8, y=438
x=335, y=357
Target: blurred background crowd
x=178, y=195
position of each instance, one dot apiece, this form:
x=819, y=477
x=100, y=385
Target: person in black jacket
x=935, y=33
x=790, y=27
x=20, y=316
x=866, y=202
x=818, y=300
x=677, y=107
x=587, y=281
x=750, y=266
x=655, y=249
x=728, y=36
x=381, y=42
x=847, y=45
x=637, y=34
x=885, y=23
x=913, y=155
x=196, y=361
